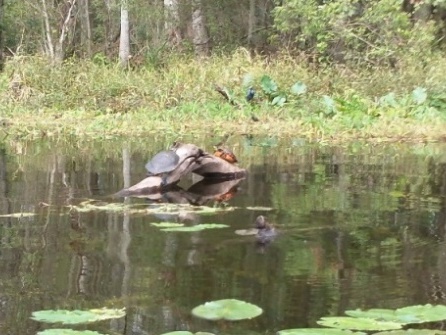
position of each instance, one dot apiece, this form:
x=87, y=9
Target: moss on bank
x=85, y=99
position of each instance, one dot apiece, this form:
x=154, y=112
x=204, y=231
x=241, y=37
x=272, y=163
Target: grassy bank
x=293, y=98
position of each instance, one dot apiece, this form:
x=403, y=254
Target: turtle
x=265, y=231
x=226, y=154
x=163, y=163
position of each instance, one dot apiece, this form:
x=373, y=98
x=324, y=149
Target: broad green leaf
x=198, y=227
x=388, y=100
x=62, y=331
x=317, y=331
x=419, y=95
x=77, y=316
x=17, y=215
x=183, y=332
x=227, y=309
x=424, y=313
x=412, y=332
x=329, y=105
x=299, y=88
x=345, y=322
x=279, y=101
x=268, y=85
x=405, y=315
x=167, y=224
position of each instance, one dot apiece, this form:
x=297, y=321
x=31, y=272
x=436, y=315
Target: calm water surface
x=360, y=227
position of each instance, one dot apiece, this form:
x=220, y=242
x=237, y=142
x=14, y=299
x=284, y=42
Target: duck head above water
x=266, y=231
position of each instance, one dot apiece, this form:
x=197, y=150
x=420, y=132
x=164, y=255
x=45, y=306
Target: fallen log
x=191, y=159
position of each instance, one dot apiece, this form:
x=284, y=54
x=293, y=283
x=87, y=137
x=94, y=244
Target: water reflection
x=360, y=226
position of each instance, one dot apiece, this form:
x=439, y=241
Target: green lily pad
x=405, y=315
x=247, y=232
x=17, y=215
x=345, y=322
x=412, y=332
x=318, y=331
x=167, y=224
x=77, y=316
x=62, y=331
x=227, y=309
x=183, y=332
x=259, y=208
x=197, y=227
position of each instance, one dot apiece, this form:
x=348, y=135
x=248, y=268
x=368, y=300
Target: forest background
x=326, y=69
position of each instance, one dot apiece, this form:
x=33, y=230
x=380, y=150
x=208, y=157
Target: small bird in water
x=250, y=94
x=266, y=231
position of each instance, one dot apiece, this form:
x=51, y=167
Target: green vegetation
x=84, y=99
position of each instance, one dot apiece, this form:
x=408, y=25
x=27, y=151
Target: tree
x=2, y=38
x=199, y=30
x=124, y=40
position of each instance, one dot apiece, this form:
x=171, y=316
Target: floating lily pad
x=17, y=215
x=198, y=227
x=318, y=331
x=77, y=316
x=227, y=309
x=259, y=208
x=167, y=224
x=345, y=322
x=183, y=332
x=405, y=315
x=247, y=232
x=412, y=332
x=62, y=331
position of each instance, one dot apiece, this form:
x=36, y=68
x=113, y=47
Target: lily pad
x=17, y=215
x=405, y=315
x=198, y=227
x=227, y=309
x=62, y=331
x=412, y=332
x=317, y=331
x=167, y=224
x=77, y=316
x=259, y=208
x=247, y=232
x=345, y=322
x=184, y=332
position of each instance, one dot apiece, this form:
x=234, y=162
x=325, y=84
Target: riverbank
x=293, y=99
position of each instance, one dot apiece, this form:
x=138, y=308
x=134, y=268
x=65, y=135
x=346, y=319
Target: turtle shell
x=163, y=162
x=226, y=154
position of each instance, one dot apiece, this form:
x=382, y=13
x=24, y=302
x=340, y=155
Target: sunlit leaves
x=299, y=88
x=184, y=332
x=412, y=332
x=227, y=309
x=77, y=316
x=268, y=85
x=419, y=95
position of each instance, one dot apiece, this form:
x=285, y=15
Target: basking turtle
x=163, y=163
x=226, y=154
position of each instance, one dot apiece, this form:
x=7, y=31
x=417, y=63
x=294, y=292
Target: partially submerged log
x=191, y=159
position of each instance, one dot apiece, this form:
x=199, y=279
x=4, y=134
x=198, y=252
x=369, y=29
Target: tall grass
x=83, y=98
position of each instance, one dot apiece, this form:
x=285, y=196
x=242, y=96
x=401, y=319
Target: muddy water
x=359, y=226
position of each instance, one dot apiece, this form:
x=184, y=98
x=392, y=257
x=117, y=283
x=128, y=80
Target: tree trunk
x=49, y=47
x=2, y=37
x=199, y=31
x=251, y=21
x=86, y=27
x=67, y=17
x=124, y=40
x=172, y=22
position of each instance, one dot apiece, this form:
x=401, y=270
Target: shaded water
x=360, y=227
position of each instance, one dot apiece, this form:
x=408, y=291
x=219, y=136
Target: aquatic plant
x=227, y=309
x=77, y=316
